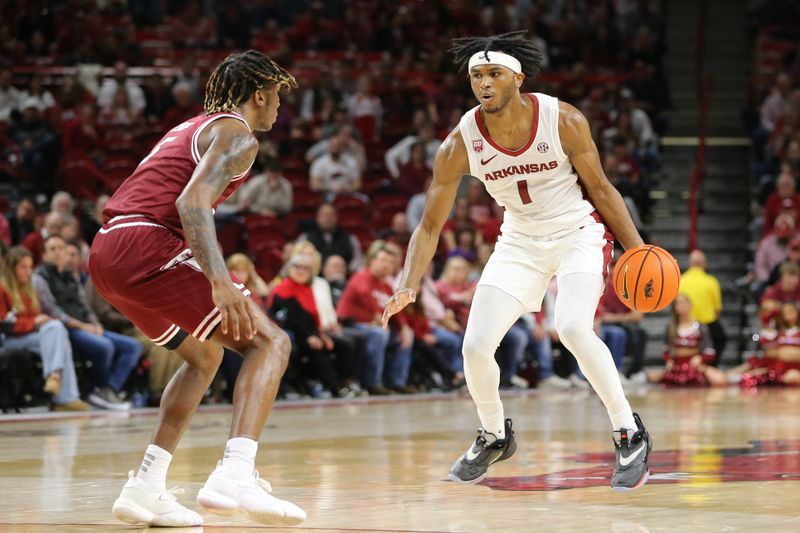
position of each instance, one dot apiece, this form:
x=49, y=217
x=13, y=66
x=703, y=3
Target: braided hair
x=512, y=43
x=235, y=80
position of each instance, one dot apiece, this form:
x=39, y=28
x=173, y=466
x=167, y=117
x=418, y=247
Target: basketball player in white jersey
x=535, y=155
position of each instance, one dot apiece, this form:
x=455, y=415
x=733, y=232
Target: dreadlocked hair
x=235, y=80
x=511, y=43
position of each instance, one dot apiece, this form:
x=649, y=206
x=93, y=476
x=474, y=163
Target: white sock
x=624, y=419
x=240, y=454
x=491, y=415
x=153, y=469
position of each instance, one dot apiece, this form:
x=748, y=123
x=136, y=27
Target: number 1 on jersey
x=155, y=150
x=524, y=195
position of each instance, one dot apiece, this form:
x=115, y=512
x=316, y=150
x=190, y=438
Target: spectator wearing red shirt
x=366, y=111
x=35, y=331
x=455, y=289
x=788, y=287
x=34, y=241
x=412, y=174
x=785, y=200
x=82, y=135
x=362, y=305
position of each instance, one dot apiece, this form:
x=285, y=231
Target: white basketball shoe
x=228, y=490
x=140, y=503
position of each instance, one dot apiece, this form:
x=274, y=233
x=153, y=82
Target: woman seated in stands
x=784, y=368
x=27, y=328
x=688, y=351
x=292, y=306
x=243, y=268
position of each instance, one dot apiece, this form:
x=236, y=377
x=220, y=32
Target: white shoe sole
x=221, y=504
x=110, y=406
x=638, y=485
x=132, y=513
x=460, y=481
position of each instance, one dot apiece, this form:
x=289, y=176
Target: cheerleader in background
x=688, y=351
x=755, y=371
x=785, y=370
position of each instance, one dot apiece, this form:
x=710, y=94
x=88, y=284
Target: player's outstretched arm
x=231, y=151
x=576, y=139
x=451, y=163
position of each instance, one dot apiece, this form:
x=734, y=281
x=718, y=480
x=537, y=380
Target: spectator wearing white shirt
x=10, y=96
x=335, y=172
x=108, y=91
x=36, y=92
x=640, y=122
x=401, y=152
x=366, y=111
x=267, y=193
x=350, y=145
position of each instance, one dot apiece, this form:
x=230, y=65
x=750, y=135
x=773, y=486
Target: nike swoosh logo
x=625, y=461
x=471, y=455
x=625, y=294
x=486, y=161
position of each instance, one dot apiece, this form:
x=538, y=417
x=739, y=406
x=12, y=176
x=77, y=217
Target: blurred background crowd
x=319, y=232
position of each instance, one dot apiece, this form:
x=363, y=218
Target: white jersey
x=536, y=184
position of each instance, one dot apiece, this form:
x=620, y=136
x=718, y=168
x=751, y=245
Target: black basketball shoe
x=472, y=466
x=630, y=471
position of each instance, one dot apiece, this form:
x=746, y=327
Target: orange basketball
x=646, y=278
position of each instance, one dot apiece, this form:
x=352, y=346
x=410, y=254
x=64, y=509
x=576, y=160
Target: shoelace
x=173, y=492
x=263, y=483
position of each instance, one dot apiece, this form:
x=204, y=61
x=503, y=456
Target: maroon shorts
x=148, y=273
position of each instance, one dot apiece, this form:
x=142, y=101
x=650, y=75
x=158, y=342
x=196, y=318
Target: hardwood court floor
x=724, y=460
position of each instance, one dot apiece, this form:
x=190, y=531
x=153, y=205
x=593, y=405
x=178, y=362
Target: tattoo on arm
x=212, y=177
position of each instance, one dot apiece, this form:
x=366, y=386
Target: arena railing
x=703, y=89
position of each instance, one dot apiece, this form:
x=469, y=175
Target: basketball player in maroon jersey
x=536, y=157
x=156, y=259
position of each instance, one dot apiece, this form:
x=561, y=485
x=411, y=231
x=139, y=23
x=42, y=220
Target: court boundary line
x=131, y=527
x=278, y=406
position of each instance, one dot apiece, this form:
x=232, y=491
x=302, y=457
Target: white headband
x=495, y=58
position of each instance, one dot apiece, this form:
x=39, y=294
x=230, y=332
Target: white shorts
x=523, y=266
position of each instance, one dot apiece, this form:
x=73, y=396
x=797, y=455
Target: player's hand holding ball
x=646, y=278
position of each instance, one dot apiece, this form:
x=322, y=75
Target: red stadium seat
x=353, y=219
x=306, y=199
x=265, y=238
x=230, y=238
x=81, y=178
x=268, y=263
x=345, y=202
x=394, y=203
x=255, y=222
x=365, y=236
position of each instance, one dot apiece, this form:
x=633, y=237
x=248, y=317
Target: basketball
x=646, y=278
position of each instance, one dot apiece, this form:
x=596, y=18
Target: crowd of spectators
x=338, y=185
x=773, y=123
x=774, y=126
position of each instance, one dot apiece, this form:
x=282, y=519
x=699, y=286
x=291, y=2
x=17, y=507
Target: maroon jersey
x=153, y=188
